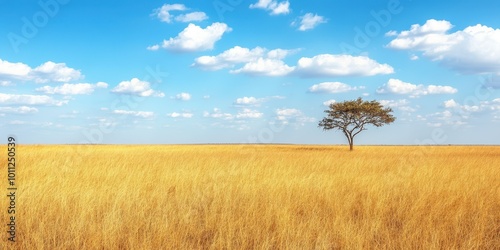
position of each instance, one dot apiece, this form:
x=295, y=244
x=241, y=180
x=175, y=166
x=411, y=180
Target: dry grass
x=256, y=197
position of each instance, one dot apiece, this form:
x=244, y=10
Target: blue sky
x=229, y=71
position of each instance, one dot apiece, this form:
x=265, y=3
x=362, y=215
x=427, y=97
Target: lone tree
x=351, y=117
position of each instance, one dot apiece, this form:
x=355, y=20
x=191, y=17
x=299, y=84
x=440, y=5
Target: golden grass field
x=255, y=197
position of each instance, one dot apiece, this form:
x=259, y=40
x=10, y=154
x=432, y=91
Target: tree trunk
x=350, y=139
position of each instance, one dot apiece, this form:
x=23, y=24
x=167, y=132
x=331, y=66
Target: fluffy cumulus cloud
x=265, y=67
x=14, y=70
x=9, y=99
x=44, y=73
x=229, y=58
x=472, y=50
x=73, y=89
x=309, y=21
x=251, y=101
x=136, y=87
x=183, y=96
x=332, y=87
x=142, y=114
x=450, y=104
x=164, y=13
x=261, y=62
x=55, y=72
x=180, y=115
x=327, y=65
x=274, y=7
x=19, y=110
x=283, y=113
x=402, y=104
x=292, y=116
x=329, y=102
x=194, y=38
x=396, y=86
x=257, y=61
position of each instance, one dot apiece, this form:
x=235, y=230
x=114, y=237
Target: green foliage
x=352, y=117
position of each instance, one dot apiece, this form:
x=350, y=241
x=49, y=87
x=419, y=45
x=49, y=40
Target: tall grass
x=256, y=197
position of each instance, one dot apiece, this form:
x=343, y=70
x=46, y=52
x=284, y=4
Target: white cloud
x=396, y=86
x=46, y=72
x=18, y=110
x=191, y=17
x=55, y=72
x=265, y=67
x=310, y=21
x=30, y=100
x=217, y=113
x=327, y=103
x=248, y=113
x=450, y=104
x=402, y=105
x=275, y=7
x=471, y=51
x=229, y=58
x=180, y=115
x=153, y=47
x=260, y=62
x=136, y=87
x=183, y=96
x=292, y=116
x=446, y=117
x=14, y=70
x=283, y=113
x=280, y=54
x=194, y=38
x=391, y=33
x=5, y=83
x=252, y=57
x=73, y=89
x=493, y=105
x=327, y=65
x=251, y=101
x=164, y=14
x=332, y=87
x=142, y=114
x=457, y=114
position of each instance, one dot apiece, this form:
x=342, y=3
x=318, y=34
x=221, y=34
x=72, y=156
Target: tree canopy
x=352, y=117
